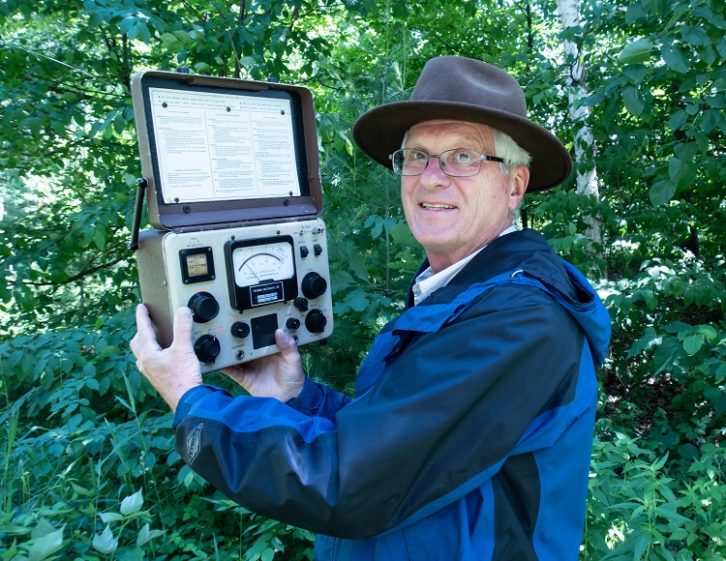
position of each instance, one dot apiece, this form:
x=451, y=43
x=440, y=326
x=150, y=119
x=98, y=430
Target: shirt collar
x=428, y=281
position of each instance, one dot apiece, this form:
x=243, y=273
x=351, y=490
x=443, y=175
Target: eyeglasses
x=457, y=162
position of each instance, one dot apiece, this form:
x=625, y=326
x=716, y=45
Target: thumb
x=285, y=342
x=182, y=326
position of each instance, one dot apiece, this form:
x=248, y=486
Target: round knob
x=315, y=321
x=292, y=323
x=207, y=348
x=204, y=306
x=301, y=303
x=240, y=329
x=313, y=285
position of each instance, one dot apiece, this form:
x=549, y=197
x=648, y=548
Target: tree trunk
x=585, y=148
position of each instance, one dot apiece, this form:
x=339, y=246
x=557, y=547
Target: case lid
x=224, y=151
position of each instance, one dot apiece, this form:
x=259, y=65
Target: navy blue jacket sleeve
x=445, y=413
x=318, y=400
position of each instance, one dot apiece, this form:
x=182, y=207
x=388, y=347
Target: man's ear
x=519, y=179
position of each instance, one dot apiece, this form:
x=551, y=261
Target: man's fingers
x=145, y=335
x=182, y=326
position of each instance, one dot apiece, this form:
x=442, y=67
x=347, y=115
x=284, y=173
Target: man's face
x=452, y=217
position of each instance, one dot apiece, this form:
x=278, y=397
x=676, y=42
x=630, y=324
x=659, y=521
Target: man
x=469, y=437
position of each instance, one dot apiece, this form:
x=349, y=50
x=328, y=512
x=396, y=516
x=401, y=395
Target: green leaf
x=107, y=517
x=169, y=40
x=674, y=58
x=357, y=300
x=640, y=546
x=650, y=338
x=402, y=235
x=132, y=503
x=661, y=192
x=637, y=52
x=686, y=151
x=682, y=173
x=247, y=62
x=688, y=451
x=709, y=332
x=632, y=100
x=202, y=67
x=693, y=343
x=721, y=47
x=695, y=36
x=634, y=13
x=145, y=535
x=42, y=528
x=42, y=547
x=677, y=120
x=105, y=542
x=668, y=511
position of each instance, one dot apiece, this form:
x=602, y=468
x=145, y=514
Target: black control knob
x=301, y=303
x=315, y=321
x=292, y=323
x=207, y=348
x=313, y=285
x=204, y=306
x=240, y=329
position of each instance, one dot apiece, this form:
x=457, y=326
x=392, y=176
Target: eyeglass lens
x=458, y=162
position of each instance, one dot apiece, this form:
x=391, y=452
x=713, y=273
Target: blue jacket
x=469, y=437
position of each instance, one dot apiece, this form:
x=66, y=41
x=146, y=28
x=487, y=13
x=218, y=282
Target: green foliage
x=88, y=470
x=637, y=510
x=88, y=467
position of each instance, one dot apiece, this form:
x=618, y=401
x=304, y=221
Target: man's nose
x=434, y=172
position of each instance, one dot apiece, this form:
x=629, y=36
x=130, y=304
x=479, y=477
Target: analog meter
x=261, y=271
x=262, y=262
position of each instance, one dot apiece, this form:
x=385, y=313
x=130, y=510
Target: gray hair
x=512, y=153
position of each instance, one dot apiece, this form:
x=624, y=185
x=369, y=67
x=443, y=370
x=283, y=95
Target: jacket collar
x=525, y=249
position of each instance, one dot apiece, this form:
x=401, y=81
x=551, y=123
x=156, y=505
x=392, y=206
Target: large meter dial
x=261, y=271
x=254, y=264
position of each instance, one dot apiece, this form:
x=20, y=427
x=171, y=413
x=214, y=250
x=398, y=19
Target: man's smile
x=436, y=206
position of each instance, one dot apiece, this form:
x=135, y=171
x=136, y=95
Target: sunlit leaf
x=674, y=58
x=132, y=503
x=638, y=51
x=105, y=542
x=145, y=534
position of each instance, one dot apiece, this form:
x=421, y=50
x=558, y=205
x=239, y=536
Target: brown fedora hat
x=464, y=89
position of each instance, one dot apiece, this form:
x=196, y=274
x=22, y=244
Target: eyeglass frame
x=483, y=156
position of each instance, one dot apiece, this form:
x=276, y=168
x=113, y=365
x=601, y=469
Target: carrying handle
x=141, y=185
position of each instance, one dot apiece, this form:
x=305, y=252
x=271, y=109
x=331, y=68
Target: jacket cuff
x=190, y=397
x=309, y=399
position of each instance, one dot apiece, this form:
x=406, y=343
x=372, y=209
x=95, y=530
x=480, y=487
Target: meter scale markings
x=262, y=266
x=263, y=271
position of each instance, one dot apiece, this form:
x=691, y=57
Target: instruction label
x=214, y=147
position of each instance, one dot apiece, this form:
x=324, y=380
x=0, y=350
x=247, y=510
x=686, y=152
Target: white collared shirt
x=428, y=281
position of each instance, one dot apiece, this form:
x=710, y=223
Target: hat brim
x=380, y=131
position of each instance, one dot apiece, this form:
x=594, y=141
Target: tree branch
x=78, y=276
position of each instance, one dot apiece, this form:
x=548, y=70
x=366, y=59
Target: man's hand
x=174, y=370
x=280, y=375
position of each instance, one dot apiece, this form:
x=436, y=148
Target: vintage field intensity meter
x=232, y=183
